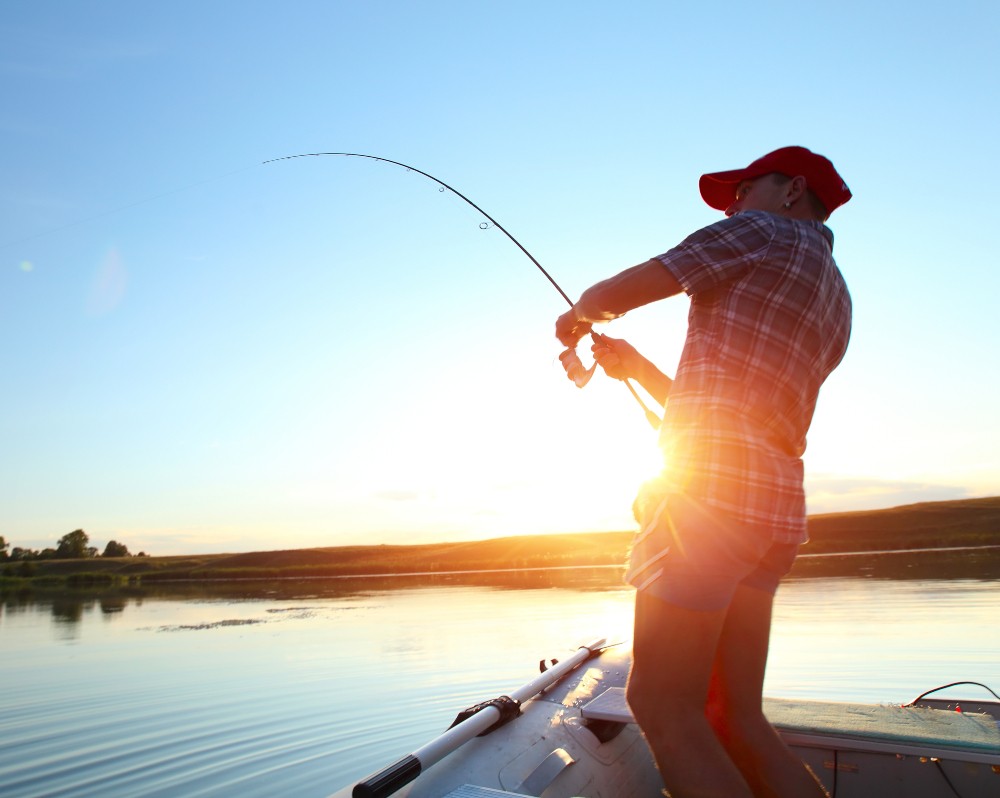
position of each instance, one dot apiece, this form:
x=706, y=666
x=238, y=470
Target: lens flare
x=108, y=287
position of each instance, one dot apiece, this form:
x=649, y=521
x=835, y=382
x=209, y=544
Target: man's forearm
x=626, y=291
x=654, y=382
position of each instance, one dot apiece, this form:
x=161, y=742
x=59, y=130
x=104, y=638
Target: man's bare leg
x=673, y=653
x=770, y=768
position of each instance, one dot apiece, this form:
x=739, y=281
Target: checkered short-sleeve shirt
x=770, y=318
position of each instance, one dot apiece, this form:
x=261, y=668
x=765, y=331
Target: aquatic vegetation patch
x=291, y=613
x=186, y=627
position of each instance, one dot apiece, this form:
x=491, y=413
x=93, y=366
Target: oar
x=400, y=773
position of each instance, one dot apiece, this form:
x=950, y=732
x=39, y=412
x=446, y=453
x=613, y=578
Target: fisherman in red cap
x=770, y=318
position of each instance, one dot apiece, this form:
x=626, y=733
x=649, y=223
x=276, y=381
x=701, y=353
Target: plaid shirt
x=770, y=318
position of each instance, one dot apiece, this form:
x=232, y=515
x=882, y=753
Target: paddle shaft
x=400, y=773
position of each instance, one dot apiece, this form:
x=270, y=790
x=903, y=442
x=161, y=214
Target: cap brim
x=718, y=189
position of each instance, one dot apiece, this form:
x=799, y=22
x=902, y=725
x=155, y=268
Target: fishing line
x=570, y=361
x=453, y=190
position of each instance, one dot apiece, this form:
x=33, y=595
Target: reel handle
x=581, y=376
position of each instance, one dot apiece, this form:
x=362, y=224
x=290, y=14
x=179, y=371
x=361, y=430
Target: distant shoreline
x=877, y=552
x=806, y=558
x=861, y=541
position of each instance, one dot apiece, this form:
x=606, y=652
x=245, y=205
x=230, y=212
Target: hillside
x=972, y=522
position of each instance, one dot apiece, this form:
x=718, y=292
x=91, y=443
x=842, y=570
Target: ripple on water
x=297, y=697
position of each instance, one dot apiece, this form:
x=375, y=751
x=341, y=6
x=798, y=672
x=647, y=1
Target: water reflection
x=69, y=606
x=66, y=609
x=292, y=687
x=967, y=563
x=112, y=605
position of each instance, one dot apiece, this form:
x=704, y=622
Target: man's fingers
x=610, y=363
x=570, y=334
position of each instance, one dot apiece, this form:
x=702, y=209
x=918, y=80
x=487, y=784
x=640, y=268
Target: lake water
x=297, y=688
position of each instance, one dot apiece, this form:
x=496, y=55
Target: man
x=769, y=320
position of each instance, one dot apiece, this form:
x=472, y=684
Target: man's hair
x=817, y=207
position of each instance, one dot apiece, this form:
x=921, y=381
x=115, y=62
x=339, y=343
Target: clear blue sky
x=203, y=353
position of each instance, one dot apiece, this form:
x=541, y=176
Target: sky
x=202, y=352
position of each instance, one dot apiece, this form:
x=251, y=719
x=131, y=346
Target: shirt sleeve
x=721, y=252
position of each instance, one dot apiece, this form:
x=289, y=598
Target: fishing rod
x=569, y=359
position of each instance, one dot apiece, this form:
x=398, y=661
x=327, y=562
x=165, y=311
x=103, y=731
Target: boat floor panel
x=907, y=725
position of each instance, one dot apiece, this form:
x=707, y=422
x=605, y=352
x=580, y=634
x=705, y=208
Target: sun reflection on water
x=309, y=683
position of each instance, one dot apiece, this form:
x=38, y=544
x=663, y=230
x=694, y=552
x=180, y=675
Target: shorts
x=695, y=557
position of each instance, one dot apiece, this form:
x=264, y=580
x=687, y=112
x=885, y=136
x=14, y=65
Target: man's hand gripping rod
x=581, y=376
x=574, y=368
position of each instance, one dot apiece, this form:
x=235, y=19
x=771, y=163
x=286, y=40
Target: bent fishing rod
x=569, y=359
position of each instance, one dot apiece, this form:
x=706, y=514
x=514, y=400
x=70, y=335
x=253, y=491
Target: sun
x=527, y=455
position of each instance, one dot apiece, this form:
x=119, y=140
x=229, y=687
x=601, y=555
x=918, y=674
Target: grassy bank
x=917, y=528
x=971, y=522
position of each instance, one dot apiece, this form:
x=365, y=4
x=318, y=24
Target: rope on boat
x=946, y=686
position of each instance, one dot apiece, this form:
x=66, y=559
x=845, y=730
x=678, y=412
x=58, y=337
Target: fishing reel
x=574, y=368
x=580, y=376
x=570, y=360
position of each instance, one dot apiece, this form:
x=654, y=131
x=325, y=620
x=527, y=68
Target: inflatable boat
x=568, y=733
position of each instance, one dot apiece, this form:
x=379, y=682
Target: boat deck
x=906, y=729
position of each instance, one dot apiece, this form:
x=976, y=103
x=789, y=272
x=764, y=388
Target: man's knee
x=638, y=693
x=655, y=704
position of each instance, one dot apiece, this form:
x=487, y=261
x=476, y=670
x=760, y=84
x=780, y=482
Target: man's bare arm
x=614, y=297
x=620, y=360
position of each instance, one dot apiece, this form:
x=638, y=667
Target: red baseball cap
x=718, y=189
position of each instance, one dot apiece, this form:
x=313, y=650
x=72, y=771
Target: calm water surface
x=297, y=688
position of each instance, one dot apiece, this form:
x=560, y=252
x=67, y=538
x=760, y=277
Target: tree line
x=73, y=545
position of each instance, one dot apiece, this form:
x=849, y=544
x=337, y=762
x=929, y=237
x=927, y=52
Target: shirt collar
x=826, y=231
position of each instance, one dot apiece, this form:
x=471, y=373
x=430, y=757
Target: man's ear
x=795, y=189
